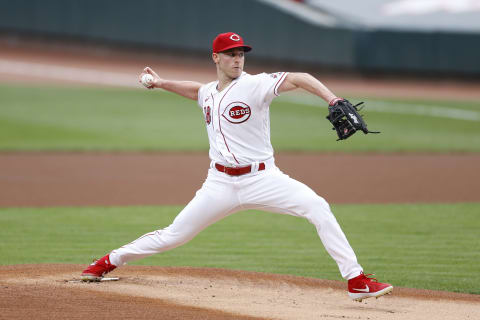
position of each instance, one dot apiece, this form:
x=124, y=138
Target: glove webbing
x=358, y=109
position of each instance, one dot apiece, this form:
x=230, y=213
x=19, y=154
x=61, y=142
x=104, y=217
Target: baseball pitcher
x=242, y=173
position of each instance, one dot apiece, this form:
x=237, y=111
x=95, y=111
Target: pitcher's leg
x=277, y=192
x=201, y=212
x=332, y=236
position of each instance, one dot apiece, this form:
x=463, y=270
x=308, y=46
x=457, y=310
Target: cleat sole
x=90, y=278
x=377, y=295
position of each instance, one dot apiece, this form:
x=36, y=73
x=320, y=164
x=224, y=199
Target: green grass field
x=50, y=118
x=419, y=246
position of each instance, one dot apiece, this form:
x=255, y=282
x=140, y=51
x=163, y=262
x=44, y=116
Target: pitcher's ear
x=215, y=57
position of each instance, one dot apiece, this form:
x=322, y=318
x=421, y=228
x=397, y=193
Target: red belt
x=238, y=171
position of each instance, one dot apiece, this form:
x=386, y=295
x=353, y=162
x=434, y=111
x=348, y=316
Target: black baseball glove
x=345, y=118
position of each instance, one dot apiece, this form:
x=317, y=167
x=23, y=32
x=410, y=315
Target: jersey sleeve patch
x=276, y=75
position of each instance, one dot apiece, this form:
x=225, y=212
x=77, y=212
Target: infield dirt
x=105, y=179
x=43, y=292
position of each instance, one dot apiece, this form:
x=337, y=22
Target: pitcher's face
x=230, y=62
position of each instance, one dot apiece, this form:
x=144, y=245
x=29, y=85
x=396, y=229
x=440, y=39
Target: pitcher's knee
x=318, y=211
x=317, y=203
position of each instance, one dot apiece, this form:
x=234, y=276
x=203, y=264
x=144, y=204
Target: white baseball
x=147, y=80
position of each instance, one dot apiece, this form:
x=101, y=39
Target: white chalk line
x=395, y=107
x=93, y=76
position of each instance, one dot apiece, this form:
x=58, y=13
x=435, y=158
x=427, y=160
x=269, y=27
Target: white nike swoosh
x=367, y=289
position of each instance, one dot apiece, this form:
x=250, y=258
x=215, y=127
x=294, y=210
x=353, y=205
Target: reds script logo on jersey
x=237, y=112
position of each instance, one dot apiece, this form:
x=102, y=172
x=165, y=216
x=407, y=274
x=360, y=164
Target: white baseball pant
x=222, y=195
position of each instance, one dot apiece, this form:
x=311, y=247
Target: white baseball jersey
x=237, y=118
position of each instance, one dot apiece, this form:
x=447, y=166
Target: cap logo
x=235, y=37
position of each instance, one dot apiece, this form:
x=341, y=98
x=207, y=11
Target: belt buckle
x=224, y=168
x=231, y=171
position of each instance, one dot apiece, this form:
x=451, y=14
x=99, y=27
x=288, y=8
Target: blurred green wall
x=275, y=35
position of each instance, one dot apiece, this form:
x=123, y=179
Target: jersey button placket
x=220, y=139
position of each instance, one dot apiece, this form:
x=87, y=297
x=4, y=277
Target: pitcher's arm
x=309, y=83
x=187, y=89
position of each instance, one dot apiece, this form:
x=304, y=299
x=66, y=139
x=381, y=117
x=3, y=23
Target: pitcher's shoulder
x=207, y=87
x=273, y=76
x=251, y=78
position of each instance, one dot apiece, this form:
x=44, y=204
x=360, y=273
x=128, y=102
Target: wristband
x=334, y=100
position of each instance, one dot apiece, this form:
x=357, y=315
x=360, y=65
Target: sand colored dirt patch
x=196, y=293
x=90, y=179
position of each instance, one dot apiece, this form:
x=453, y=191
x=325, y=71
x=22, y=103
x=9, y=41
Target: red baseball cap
x=229, y=40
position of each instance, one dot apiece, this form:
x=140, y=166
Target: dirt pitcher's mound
x=45, y=292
